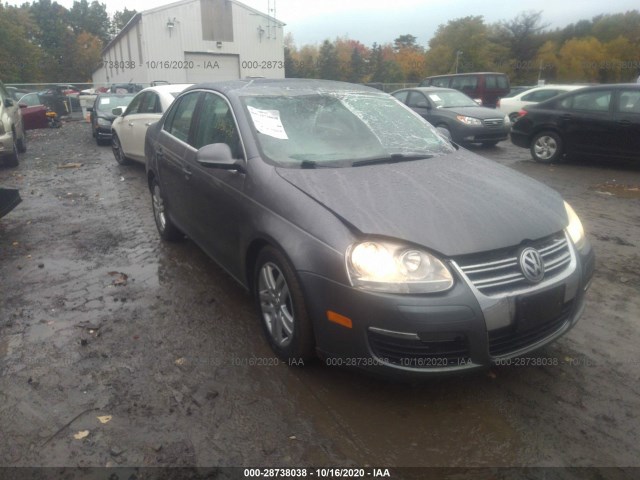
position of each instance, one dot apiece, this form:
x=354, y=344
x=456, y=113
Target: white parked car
x=130, y=127
x=512, y=105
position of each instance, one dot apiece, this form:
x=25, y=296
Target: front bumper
x=103, y=133
x=468, y=134
x=423, y=335
x=6, y=144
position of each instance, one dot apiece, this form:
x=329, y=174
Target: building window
x=217, y=20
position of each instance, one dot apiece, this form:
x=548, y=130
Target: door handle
x=187, y=173
x=159, y=153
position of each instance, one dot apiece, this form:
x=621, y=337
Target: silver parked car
x=12, y=136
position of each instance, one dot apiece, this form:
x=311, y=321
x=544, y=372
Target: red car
x=34, y=112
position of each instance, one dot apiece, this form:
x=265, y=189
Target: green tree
x=406, y=42
x=21, y=62
x=468, y=35
x=90, y=17
x=120, y=19
x=328, y=63
x=520, y=39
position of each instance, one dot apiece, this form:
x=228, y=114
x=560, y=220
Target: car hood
x=476, y=112
x=454, y=204
x=107, y=116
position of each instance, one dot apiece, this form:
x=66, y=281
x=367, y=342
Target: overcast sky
x=312, y=21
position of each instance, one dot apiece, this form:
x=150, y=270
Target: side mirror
x=117, y=111
x=444, y=133
x=23, y=105
x=218, y=155
x=89, y=109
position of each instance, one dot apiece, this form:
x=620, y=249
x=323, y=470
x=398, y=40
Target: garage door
x=209, y=67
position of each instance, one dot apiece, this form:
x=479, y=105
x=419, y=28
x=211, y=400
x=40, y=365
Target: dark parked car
x=364, y=235
x=594, y=121
x=101, y=114
x=466, y=121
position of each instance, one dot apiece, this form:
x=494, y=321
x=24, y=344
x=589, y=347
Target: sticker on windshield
x=268, y=122
x=105, y=101
x=435, y=97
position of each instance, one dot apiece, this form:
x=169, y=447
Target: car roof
x=429, y=89
x=285, y=87
x=172, y=88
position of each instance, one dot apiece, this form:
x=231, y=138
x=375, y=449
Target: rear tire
x=282, y=307
x=546, y=147
x=167, y=230
x=116, y=147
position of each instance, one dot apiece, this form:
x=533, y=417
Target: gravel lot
x=118, y=349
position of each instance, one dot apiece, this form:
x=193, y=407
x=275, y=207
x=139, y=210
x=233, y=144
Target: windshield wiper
x=393, y=158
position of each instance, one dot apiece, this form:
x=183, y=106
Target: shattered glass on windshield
x=330, y=130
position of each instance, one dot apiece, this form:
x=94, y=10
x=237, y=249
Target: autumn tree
x=580, y=60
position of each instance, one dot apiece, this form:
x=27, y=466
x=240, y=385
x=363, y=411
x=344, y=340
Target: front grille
x=414, y=353
x=493, y=122
x=507, y=340
x=496, y=273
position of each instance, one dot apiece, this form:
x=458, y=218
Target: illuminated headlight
x=574, y=229
x=395, y=268
x=103, y=122
x=469, y=120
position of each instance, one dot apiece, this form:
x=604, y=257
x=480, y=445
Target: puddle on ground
x=622, y=191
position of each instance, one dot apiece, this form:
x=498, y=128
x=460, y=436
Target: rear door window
x=540, y=96
x=629, y=102
x=598, y=101
x=440, y=82
x=179, y=119
x=401, y=96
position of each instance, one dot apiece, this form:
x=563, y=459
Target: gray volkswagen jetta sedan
x=365, y=236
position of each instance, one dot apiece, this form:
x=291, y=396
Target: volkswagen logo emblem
x=531, y=265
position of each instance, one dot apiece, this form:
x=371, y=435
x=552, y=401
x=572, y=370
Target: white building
x=194, y=41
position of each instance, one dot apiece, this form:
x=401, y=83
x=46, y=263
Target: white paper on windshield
x=105, y=101
x=435, y=97
x=268, y=122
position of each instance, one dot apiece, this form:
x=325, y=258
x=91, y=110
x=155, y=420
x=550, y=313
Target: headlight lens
x=575, y=230
x=103, y=122
x=391, y=267
x=469, y=120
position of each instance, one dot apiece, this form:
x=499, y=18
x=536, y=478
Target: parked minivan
x=484, y=87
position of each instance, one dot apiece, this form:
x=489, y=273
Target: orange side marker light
x=339, y=319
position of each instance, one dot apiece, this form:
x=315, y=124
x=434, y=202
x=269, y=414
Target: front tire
x=282, y=308
x=167, y=230
x=12, y=158
x=116, y=147
x=546, y=147
x=21, y=144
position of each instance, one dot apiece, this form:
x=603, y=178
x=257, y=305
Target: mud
x=99, y=318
